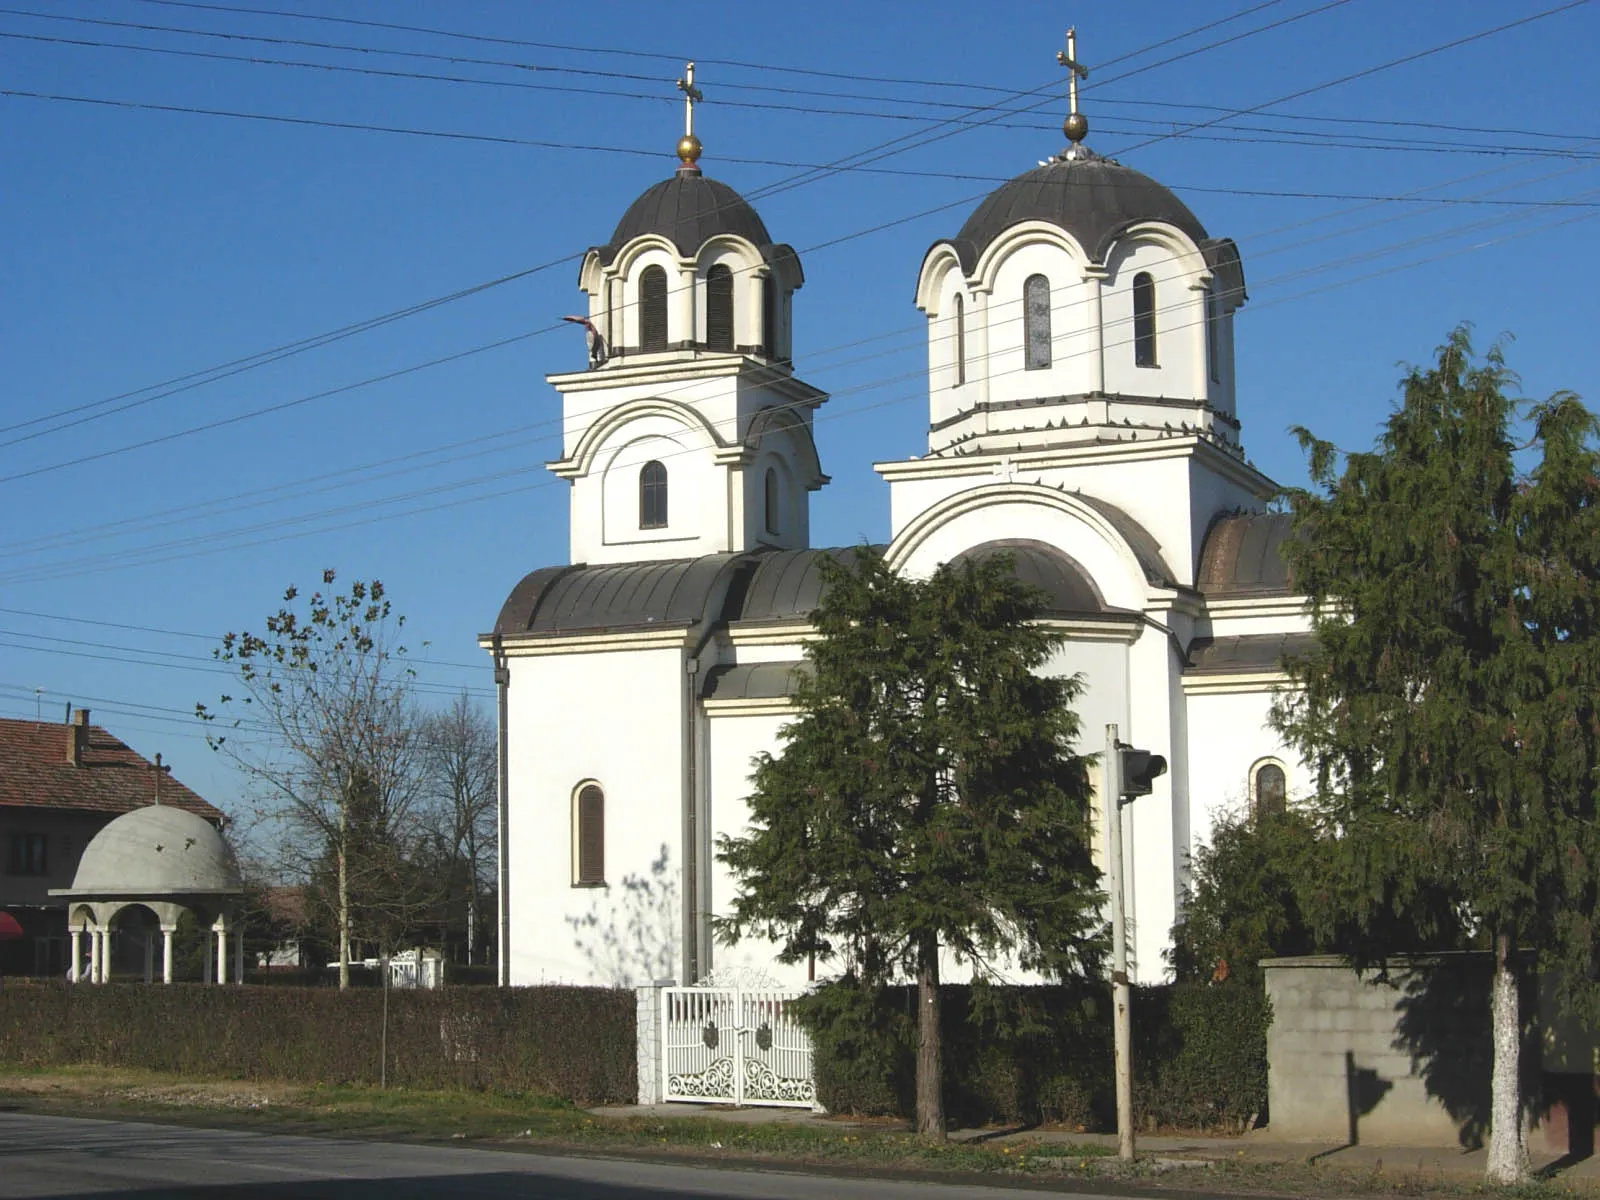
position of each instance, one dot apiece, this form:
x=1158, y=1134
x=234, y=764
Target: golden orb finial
x=1076, y=127
x=689, y=149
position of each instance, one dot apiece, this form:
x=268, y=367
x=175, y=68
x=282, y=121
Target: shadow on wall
x=1444, y=1025
x=1364, y=1087
x=631, y=937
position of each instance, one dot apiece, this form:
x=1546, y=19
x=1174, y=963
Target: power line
x=232, y=542
x=1403, y=60
x=806, y=176
x=875, y=340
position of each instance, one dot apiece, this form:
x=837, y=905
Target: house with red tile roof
x=60, y=784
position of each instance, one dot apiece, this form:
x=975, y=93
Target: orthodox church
x=1082, y=418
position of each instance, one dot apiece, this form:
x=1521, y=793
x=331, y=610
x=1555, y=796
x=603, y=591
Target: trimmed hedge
x=568, y=1042
x=1027, y=1054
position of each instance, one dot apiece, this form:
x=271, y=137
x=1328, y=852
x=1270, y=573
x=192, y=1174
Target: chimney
x=78, y=736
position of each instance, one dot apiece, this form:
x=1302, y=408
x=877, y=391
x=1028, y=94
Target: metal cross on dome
x=1076, y=124
x=691, y=97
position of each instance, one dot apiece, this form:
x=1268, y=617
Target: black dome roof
x=1090, y=197
x=689, y=210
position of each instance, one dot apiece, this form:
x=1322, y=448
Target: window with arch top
x=771, y=500
x=1269, y=789
x=1036, y=321
x=1144, y=320
x=589, y=836
x=653, y=308
x=719, y=308
x=959, y=313
x=652, y=496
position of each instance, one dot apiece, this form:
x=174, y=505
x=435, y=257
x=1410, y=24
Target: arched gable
x=581, y=461
x=1032, y=511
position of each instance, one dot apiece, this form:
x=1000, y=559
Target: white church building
x=1082, y=418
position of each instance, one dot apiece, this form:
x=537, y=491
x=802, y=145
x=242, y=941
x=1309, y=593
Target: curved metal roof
x=626, y=596
x=755, y=681
x=787, y=584
x=688, y=210
x=154, y=851
x=1243, y=555
x=1092, y=198
x=1071, y=591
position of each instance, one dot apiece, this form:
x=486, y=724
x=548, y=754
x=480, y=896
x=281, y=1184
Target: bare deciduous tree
x=327, y=728
x=460, y=752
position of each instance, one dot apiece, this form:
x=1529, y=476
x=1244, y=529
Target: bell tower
x=689, y=432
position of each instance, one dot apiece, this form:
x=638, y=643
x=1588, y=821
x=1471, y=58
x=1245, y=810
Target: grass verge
x=534, y=1122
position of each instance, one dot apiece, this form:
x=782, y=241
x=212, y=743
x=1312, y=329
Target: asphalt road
x=126, y=1160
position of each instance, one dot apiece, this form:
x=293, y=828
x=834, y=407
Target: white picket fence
x=735, y=1046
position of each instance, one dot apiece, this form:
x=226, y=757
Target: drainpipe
x=502, y=683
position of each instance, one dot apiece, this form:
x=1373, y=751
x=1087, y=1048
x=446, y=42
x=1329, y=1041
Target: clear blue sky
x=143, y=245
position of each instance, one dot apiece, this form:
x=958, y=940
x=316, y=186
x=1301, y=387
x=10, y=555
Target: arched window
x=1144, y=320
x=589, y=835
x=959, y=314
x=1269, y=789
x=770, y=500
x=719, y=308
x=653, y=308
x=652, y=496
x=1036, y=321
x=1213, y=337
x=769, y=316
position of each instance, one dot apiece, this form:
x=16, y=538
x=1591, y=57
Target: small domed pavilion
x=164, y=860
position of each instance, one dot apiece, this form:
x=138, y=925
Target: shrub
x=1026, y=1054
x=569, y=1042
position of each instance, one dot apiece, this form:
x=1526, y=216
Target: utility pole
x=1128, y=772
x=1121, y=994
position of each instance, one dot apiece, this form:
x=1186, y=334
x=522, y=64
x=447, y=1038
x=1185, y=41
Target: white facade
x=1086, y=423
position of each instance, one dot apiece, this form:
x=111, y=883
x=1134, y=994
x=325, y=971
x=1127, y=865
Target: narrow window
x=1036, y=321
x=1271, y=790
x=653, y=308
x=719, y=308
x=771, y=497
x=591, y=835
x=27, y=855
x=960, y=315
x=652, y=496
x=1144, y=320
x=769, y=316
x=1213, y=337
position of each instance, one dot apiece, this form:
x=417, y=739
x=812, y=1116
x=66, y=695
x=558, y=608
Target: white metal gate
x=735, y=1046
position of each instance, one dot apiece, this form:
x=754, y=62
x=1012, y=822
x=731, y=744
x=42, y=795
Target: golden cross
x=691, y=97
x=1076, y=125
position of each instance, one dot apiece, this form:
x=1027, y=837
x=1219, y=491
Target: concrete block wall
x=1398, y=1061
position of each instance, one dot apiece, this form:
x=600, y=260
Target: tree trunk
x=1508, y=1153
x=344, y=901
x=930, y=1058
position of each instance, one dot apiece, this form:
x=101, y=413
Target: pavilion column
x=105, y=955
x=166, y=953
x=222, y=954
x=77, y=955
x=207, y=968
x=238, y=955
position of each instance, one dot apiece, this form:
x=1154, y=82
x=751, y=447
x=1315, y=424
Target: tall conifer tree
x=1450, y=704
x=927, y=799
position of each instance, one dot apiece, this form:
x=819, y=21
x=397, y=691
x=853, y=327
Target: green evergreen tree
x=1243, y=899
x=927, y=798
x=1449, y=705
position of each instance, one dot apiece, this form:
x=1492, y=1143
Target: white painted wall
x=1228, y=735
x=614, y=719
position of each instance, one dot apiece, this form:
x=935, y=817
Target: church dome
x=688, y=210
x=157, y=850
x=1092, y=198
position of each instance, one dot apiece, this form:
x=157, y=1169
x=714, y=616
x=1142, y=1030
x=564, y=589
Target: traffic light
x=1139, y=770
